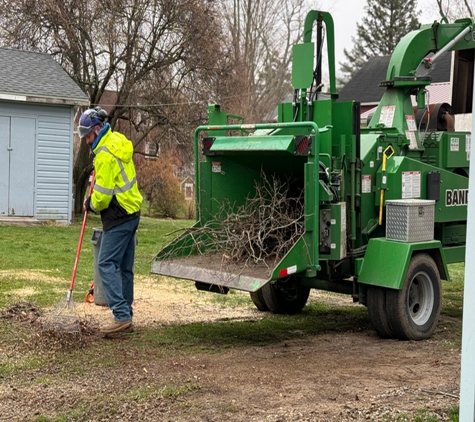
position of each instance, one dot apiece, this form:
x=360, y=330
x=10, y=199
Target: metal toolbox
x=410, y=220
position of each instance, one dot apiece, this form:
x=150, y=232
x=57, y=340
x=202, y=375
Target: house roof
x=36, y=77
x=364, y=86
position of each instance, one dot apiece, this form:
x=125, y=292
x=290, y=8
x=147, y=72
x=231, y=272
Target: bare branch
x=257, y=234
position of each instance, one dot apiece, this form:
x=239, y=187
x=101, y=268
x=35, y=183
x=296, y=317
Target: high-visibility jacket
x=116, y=194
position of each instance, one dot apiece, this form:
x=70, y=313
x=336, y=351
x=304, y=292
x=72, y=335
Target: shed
x=187, y=186
x=38, y=102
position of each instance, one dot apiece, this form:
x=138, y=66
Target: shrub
x=160, y=186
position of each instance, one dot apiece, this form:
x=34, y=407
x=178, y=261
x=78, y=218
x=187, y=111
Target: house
x=187, y=186
x=364, y=86
x=38, y=103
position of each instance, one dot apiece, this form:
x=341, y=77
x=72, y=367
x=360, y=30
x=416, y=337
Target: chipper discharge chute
x=317, y=201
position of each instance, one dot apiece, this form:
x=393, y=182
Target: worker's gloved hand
x=87, y=205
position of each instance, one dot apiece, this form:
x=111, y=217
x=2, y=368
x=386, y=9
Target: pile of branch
x=259, y=232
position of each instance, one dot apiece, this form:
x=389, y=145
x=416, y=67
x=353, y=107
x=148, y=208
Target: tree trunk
x=81, y=171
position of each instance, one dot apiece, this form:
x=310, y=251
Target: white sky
x=347, y=13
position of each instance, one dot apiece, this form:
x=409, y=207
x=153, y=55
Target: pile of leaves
x=45, y=337
x=24, y=312
x=50, y=339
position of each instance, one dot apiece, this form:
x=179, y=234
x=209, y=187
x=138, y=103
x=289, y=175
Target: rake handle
x=78, y=251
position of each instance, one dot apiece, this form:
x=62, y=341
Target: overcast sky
x=347, y=13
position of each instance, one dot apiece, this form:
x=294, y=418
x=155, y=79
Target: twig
x=440, y=392
x=261, y=231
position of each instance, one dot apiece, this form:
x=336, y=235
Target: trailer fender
x=385, y=262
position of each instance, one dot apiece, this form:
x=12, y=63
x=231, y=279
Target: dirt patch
x=352, y=376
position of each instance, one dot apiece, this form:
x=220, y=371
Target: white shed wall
x=53, y=157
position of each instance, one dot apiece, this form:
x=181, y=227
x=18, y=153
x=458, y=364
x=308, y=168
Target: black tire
x=285, y=296
x=376, y=302
x=413, y=311
x=258, y=300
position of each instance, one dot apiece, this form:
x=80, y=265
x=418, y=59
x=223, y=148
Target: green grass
x=424, y=415
x=37, y=262
x=36, y=265
x=41, y=258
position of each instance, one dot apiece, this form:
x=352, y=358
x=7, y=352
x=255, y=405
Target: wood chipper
x=375, y=212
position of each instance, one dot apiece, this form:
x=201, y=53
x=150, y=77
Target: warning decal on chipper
x=411, y=184
x=456, y=197
x=366, y=183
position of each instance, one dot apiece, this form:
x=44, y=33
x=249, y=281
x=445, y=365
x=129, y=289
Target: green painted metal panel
x=452, y=234
x=302, y=65
x=181, y=246
x=216, y=117
x=385, y=261
x=369, y=143
x=456, y=149
x=298, y=259
x=405, y=174
x=285, y=112
x=333, y=231
x=254, y=143
x=358, y=266
x=203, y=192
x=370, y=163
x=447, y=150
x=342, y=128
x=231, y=182
x=454, y=254
x=322, y=115
x=309, y=198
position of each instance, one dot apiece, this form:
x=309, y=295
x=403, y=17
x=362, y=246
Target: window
x=151, y=150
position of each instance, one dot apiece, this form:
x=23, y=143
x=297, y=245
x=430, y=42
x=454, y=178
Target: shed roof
x=364, y=86
x=36, y=77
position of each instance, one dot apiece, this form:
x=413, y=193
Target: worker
x=116, y=196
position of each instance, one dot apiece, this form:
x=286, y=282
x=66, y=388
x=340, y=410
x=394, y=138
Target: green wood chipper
x=315, y=200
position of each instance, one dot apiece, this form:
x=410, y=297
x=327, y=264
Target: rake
x=64, y=317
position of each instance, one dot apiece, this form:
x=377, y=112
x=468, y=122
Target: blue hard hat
x=90, y=118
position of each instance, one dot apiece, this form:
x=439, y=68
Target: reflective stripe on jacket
x=115, y=172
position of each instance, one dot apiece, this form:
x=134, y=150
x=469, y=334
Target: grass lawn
x=48, y=253
x=36, y=265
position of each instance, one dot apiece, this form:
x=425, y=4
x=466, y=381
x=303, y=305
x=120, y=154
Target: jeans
x=116, y=268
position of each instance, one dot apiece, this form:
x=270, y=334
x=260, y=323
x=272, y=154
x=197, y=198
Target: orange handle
x=83, y=227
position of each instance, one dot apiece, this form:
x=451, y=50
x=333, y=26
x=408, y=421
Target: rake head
x=63, y=318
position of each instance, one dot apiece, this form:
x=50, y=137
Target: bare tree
x=123, y=45
x=256, y=64
x=455, y=9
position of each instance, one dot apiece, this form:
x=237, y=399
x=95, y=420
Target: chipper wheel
x=258, y=300
x=376, y=302
x=286, y=296
x=413, y=311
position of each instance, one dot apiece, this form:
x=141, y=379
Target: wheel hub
x=420, y=299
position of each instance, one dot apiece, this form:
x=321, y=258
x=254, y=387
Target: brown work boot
x=116, y=326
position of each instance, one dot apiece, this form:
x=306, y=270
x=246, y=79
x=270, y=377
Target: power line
x=171, y=104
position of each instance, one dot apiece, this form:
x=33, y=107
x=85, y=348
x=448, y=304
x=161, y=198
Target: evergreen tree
x=385, y=23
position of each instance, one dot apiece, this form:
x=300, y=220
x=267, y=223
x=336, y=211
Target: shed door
x=17, y=166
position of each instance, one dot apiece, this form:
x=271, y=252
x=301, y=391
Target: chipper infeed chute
x=251, y=226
